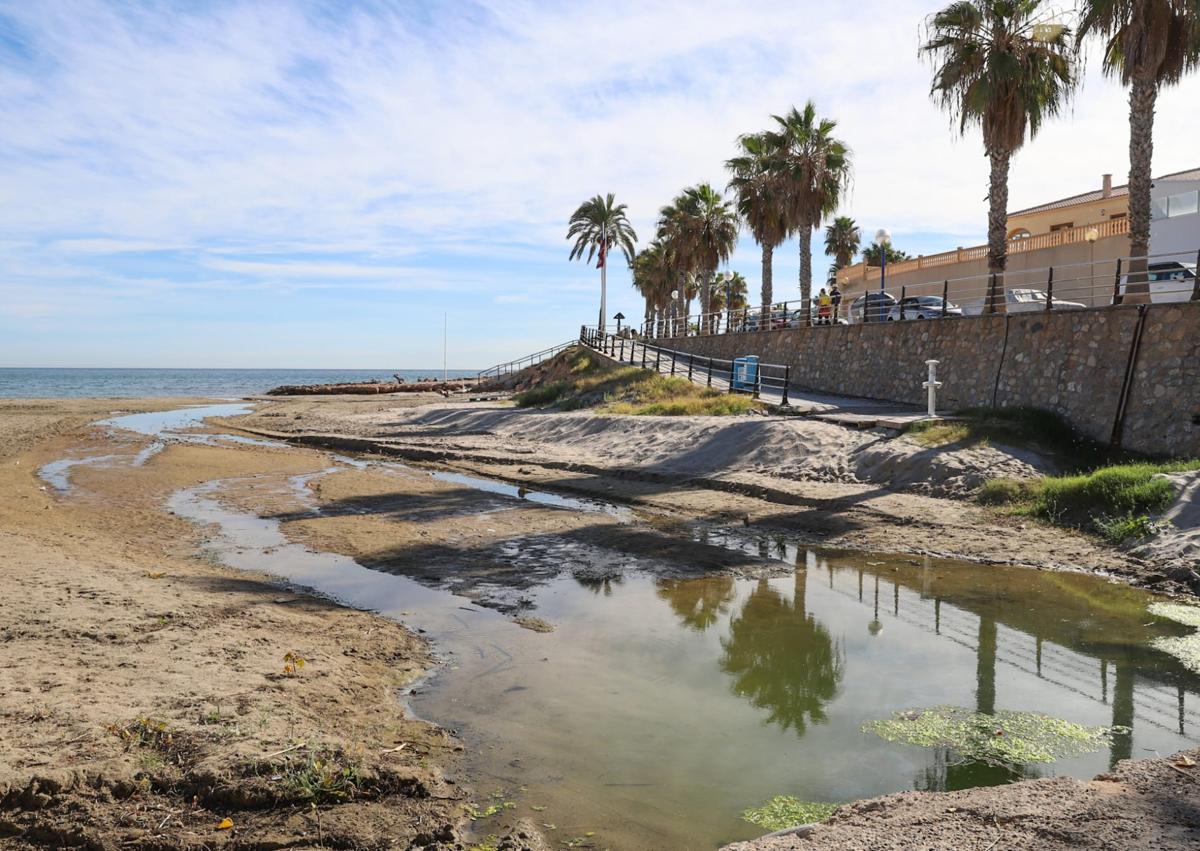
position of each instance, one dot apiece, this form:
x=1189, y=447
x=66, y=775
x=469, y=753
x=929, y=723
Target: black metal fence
x=1170, y=277
x=519, y=364
x=766, y=381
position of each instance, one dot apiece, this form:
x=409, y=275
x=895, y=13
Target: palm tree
x=813, y=170
x=759, y=201
x=598, y=226
x=842, y=239
x=873, y=254
x=1149, y=44
x=700, y=228
x=995, y=66
x=737, y=289
x=654, y=278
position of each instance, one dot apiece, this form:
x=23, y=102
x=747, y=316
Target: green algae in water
x=1006, y=738
x=784, y=811
x=1185, y=648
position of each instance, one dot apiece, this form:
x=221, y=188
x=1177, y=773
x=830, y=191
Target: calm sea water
x=219, y=383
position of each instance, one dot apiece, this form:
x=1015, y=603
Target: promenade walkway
x=716, y=373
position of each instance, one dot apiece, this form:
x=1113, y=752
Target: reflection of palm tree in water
x=782, y=659
x=697, y=602
x=600, y=584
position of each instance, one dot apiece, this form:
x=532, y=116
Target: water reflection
x=782, y=659
x=698, y=604
x=602, y=585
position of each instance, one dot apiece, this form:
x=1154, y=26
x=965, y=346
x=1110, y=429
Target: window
x=1170, y=206
x=1062, y=226
x=1183, y=204
x=1019, y=233
x=1115, y=216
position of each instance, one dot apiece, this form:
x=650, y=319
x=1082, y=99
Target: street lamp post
x=674, y=313
x=728, y=300
x=883, y=239
x=1092, y=235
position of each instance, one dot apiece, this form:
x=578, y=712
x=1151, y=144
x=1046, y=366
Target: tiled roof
x=1082, y=198
x=1098, y=194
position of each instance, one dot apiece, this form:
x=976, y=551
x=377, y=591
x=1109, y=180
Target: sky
x=323, y=184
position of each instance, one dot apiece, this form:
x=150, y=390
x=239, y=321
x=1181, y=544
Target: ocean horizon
x=103, y=382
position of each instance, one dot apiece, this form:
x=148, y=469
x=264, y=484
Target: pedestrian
x=835, y=297
x=824, y=307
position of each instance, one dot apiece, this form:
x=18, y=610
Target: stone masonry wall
x=1070, y=362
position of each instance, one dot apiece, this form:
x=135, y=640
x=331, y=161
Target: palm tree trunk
x=805, y=239
x=603, y=294
x=705, y=301
x=767, y=252
x=997, y=230
x=1143, y=93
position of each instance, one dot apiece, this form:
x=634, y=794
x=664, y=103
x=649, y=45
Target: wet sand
x=142, y=686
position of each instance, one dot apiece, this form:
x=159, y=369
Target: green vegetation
x=1115, y=501
x=580, y=378
x=1185, y=648
x=321, y=775
x=784, y=811
x=1108, y=493
x=1006, y=738
x=1042, y=431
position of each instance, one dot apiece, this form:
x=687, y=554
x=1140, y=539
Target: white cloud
x=235, y=131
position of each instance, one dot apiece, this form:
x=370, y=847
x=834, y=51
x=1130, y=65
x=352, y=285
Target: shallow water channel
x=659, y=709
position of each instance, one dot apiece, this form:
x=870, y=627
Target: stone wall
x=1070, y=362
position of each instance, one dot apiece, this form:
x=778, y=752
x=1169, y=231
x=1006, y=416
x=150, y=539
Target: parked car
x=880, y=304
x=1023, y=300
x=923, y=307
x=1169, y=282
x=753, y=320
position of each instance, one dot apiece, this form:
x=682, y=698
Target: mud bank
x=148, y=683
x=1144, y=804
x=829, y=485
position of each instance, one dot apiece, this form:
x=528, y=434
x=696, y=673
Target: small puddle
x=57, y=474
x=553, y=500
x=166, y=426
x=659, y=709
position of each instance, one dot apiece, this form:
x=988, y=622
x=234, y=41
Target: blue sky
x=304, y=184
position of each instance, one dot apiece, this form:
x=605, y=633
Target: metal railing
x=522, y=363
x=1171, y=277
x=766, y=381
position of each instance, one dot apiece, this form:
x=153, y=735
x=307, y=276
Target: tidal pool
x=659, y=709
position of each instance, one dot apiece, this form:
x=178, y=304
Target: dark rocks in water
x=370, y=388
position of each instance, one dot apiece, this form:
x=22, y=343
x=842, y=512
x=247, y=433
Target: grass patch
x=322, y=775
x=1042, y=431
x=579, y=378
x=784, y=811
x=1114, y=502
x=1005, y=739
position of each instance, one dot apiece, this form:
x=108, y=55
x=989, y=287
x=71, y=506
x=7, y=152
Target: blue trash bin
x=745, y=373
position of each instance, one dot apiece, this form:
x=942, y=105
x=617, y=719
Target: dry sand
x=142, y=692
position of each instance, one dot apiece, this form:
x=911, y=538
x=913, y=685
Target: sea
x=16, y=382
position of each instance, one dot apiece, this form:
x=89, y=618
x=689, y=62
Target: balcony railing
x=1054, y=239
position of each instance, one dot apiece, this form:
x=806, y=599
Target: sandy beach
x=159, y=693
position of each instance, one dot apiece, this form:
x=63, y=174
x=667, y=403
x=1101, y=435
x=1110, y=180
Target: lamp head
x=882, y=236
x=674, y=295
x=1092, y=235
